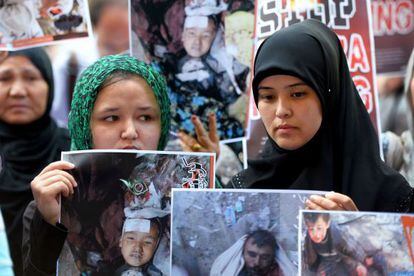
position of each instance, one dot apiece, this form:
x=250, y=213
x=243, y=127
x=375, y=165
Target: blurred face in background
x=112, y=29
x=23, y=91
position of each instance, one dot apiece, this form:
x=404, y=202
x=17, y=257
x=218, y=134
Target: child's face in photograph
x=317, y=231
x=137, y=248
x=197, y=41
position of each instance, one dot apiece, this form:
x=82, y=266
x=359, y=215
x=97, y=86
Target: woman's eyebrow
x=287, y=86
x=296, y=84
x=146, y=108
x=109, y=109
x=264, y=87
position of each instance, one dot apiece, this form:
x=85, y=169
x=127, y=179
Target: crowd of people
x=119, y=102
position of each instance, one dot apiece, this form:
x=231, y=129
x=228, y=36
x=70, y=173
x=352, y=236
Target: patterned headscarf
x=88, y=87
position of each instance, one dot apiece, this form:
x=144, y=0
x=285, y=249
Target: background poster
x=393, y=26
x=30, y=23
x=204, y=48
x=350, y=19
x=205, y=224
x=232, y=159
x=380, y=242
x=122, y=193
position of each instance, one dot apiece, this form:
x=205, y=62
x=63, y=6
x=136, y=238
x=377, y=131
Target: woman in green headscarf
x=119, y=103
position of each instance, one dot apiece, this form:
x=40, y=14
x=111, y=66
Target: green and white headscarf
x=87, y=89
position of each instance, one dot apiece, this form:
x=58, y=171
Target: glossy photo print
x=356, y=243
x=25, y=24
x=204, y=48
x=231, y=232
x=118, y=218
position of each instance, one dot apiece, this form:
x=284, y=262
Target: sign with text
x=351, y=21
x=393, y=26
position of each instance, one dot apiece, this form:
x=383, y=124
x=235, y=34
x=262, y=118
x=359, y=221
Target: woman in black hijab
x=29, y=138
x=328, y=143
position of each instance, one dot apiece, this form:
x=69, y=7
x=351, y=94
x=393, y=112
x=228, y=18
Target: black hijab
x=344, y=154
x=26, y=149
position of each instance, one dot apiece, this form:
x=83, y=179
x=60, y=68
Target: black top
x=344, y=154
x=24, y=151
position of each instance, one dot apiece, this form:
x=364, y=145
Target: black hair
x=262, y=238
x=313, y=217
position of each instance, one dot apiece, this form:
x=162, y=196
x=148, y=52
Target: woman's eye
x=5, y=78
x=265, y=97
x=31, y=78
x=144, y=118
x=298, y=94
x=111, y=118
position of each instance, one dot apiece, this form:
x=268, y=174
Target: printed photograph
x=204, y=48
x=118, y=217
x=356, y=243
x=29, y=23
x=235, y=232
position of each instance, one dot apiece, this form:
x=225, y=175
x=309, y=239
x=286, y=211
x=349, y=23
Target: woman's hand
x=331, y=201
x=206, y=141
x=51, y=182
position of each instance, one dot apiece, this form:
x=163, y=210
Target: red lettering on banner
x=404, y=20
x=392, y=17
x=408, y=226
x=357, y=54
x=364, y=89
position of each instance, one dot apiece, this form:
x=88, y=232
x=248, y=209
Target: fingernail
x=193, y=117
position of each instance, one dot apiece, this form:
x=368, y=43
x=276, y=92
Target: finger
x=325, y=203
x=185, y=146
x=186, y=140
x=64, y=174
x=212, y=128
x=56, y=179
x=201, y=133
x=59, y=189
x=312, y=206
x=345, y=201
x=58, y=165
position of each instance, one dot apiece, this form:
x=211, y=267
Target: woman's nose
x=18, y=89
x=283, y=109
x=130, y=131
